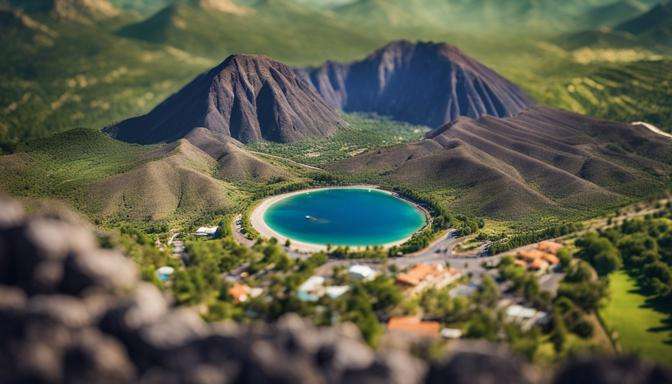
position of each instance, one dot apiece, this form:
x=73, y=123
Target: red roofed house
x=241, y=292
x=414, y=326
x=423, y=276
x=550, y=247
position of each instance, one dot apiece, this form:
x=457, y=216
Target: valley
x=522, y=149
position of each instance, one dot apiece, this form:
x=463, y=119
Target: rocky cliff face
x=247, y=97
x=419, y=83
x=74, y=313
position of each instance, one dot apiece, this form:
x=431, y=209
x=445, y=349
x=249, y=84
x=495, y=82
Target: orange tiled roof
x=538, y=264
x=239, y=291
x=552, y=259
x=421, y=272
x=531, y=254
x=550, y=246
x=414, y=325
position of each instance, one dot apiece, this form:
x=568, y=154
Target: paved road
x=653, y=128
x=179, y=250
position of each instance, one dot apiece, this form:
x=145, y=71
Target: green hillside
x=638, y=91
x=58, y=75
x=281, y=29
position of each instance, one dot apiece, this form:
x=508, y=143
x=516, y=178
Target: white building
x=361, y=272
x=526, y=317
x=207, y=231
x=313, y=289
x=451, y=333
x=336, y=291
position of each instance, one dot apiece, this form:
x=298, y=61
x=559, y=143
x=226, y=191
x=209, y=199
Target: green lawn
x=643, y=328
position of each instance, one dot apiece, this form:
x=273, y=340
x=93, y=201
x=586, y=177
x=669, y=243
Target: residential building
x=550, y=247
x=423, y=276
x=241, y=292
x=539, y=259
x=526, y=317
x=313, y=289
x=361, y=272
x=206, y=231
x=413, y=326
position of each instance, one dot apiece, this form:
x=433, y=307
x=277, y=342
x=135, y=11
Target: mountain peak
x=246, y=97
x=420, y=83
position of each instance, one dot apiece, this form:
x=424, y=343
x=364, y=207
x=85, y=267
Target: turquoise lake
x=354, y=217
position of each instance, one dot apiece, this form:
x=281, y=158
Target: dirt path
x=285, y=160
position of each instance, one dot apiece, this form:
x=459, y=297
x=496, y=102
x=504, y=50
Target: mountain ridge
x=540, y=159
x=420, y=83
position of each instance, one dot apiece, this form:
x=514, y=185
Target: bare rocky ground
x=73, y=312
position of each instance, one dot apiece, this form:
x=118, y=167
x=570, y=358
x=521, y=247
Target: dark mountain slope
x=655, y=25
x=611, y=14
x=541, y=158
x=658, y=16
x=419, y=83
x=246, y=97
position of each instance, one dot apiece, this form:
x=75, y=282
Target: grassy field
x=363, y=132
x=66, y=162
x=643, y=327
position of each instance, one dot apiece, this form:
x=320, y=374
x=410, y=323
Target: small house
x=206, y=231
x=361, y=272
x=424, y=276
x=413, y=326
x=241, y=292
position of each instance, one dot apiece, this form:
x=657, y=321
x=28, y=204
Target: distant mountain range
x=644, y=30
x=509, y=15
x=282, y=29
x=420, y=83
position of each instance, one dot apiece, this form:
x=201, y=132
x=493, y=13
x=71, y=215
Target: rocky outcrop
x=247, y=97
x=74, y=313
x=420, y=83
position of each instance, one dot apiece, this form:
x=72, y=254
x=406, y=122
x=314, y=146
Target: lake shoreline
x=258, y=222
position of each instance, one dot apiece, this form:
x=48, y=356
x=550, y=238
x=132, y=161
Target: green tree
x=600, y=253
x=657, y=278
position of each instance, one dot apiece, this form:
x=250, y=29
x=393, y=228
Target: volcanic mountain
x=420, y=83
x=246, y=97
x=541, y=159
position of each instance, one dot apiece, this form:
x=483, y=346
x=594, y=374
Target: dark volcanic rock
x=246, y=97
x=423, y=83
x=623, y=370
